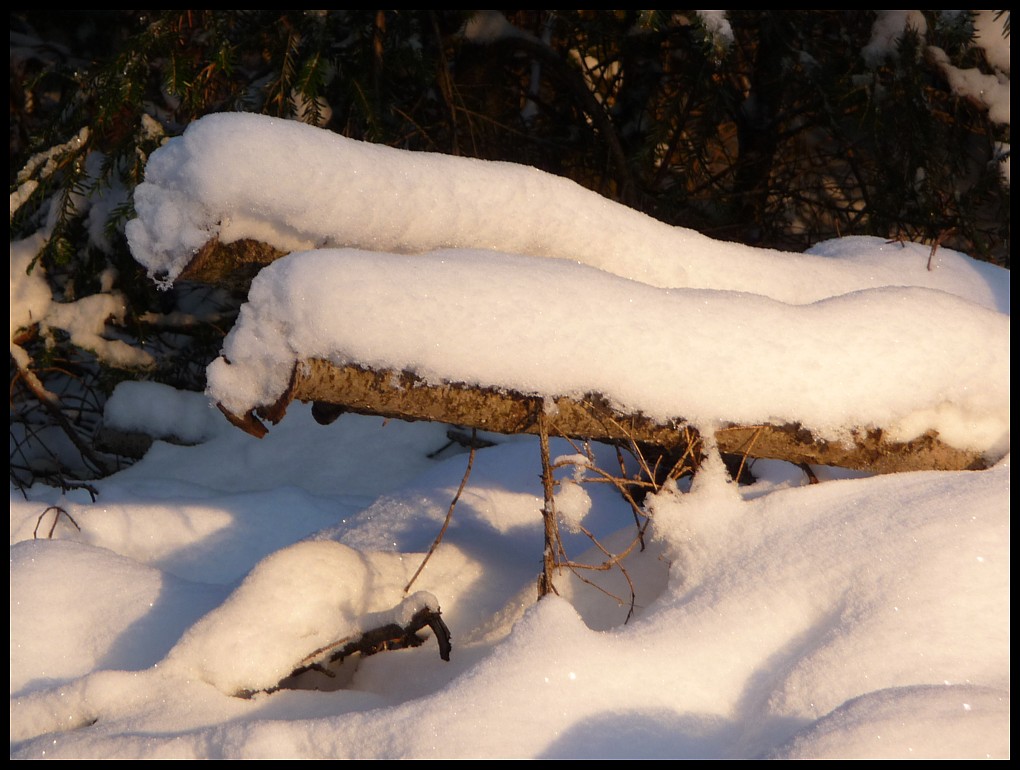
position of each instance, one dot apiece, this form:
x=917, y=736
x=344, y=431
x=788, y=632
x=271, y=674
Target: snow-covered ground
x=857, y=617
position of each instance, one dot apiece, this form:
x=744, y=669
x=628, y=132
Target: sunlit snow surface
x=855, y=617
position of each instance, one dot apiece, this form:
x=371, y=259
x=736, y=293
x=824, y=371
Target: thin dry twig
x=633, y=596
x=624, y=487
x=56, y=517
x=551, y=526
x=747, y=452
x=942, y=237
x=50, y=402
x=812, y=478
x=449, y=513
x=612, y=560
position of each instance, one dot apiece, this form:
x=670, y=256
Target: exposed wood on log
x=232, y=265
x=867, y=449
x=249, y=423
x=405, y=396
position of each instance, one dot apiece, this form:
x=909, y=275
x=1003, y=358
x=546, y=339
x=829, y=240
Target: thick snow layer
x=904, y=359
x=298, y=187
x=293, y=604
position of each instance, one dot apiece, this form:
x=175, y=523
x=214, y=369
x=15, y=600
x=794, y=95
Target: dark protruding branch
x=389, y=637
x=392, y=636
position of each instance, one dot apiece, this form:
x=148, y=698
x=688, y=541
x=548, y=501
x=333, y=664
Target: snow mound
x=293, y=603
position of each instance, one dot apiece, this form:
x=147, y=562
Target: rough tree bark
x=337, y=388
x=405, y=396
x=233, y=265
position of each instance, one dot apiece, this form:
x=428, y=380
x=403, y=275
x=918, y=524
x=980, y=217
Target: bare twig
x=633, y=596
x=56, y=517
x=942, y=236
x=746, y=453
x=552, y=539
x=50, y=403
x=622, y=483
x=449, y=514
x=812, y=478
x=612, y=560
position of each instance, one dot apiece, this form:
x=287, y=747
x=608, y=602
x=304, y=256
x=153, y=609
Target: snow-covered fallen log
x=487, y=340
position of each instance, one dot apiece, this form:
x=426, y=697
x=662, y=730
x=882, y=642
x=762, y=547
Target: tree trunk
x=405, y=396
